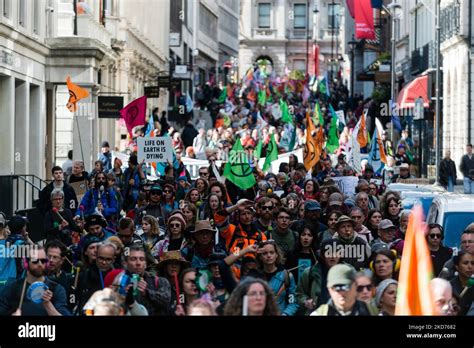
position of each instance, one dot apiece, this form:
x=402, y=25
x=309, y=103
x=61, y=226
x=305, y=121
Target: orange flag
x=76, y=93
x=416, y=271
x=311, y=151
x=362, y=135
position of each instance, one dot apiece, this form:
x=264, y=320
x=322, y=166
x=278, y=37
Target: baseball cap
x=312, y=205
x=341, y=274
x=335, y=199
x=386, y=224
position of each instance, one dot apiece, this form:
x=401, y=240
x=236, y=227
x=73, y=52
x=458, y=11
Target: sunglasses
x=156, y=193
x=175, y=225
x=361, y=288
x=43, y=261
x=202, y=173
x=266, y=207
x=167, y=191
x=341, y=287
x=435, y=236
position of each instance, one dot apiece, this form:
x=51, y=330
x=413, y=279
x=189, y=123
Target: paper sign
x=80, y=188
x=347, y=184
x=156, y=150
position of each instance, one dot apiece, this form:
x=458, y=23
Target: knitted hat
x=381, y=289
x=110, y=277
x=179, y=217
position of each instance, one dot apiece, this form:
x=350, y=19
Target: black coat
x=447, y=168
x=89, y=282
x=44, y=203
x=188, y=135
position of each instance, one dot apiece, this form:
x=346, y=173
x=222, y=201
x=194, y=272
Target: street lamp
x=353, y=43
x=393, y=8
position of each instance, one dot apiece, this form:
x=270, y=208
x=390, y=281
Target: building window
x=300, y=20
x=22, y=13
x=108, y=8
x=36, y=17
x=333, y=16
x=208, y=22
x=299, y=64
x=264, y=10
x=6, y=8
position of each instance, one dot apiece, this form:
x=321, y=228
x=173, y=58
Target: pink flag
x=364, y=20
x=350, y=7
x=134, y=113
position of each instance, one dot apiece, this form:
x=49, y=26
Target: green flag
x=222, y=96
x=262, y=97
x=319, y=115
x=293, y=140
x=258, y=150
x=333, y=139
x=324, y=86
x=272, y=153
x=238, y=170
x=285, y=113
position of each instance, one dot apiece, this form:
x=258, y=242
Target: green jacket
x=309, y=286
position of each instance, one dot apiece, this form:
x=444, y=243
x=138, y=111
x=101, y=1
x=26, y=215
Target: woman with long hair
x=260, y=299
x=304, y=254
x=385, y=265
x=151, y=233
x=202, y=186
x=365, y=287
x=464, y=265
x=194, y=197
x=311, y=188
x=168, y=201
x=214, y=205
x=392, y=211
x=190, y=292
x=220, y=189
x=190, y=212
x=373, y=219
x=270, y=268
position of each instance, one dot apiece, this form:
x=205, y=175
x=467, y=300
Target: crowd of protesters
x=294, y=244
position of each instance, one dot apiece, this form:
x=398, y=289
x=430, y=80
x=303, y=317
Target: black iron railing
x=19, y=192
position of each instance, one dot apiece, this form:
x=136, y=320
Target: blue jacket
x=287, y=298
x=106, y=158
x=91, y=198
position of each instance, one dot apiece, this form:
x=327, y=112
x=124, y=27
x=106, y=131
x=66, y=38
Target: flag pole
x=80, y=139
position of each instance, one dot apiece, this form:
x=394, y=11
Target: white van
x=454, y=212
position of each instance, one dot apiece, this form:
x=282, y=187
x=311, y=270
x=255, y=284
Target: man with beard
x=154, y=292
x=53, y=300
x=70, y=199
x=100, y=199
x=265, y=209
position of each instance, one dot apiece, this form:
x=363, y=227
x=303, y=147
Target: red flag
x=364, y=20
x=134, y=113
